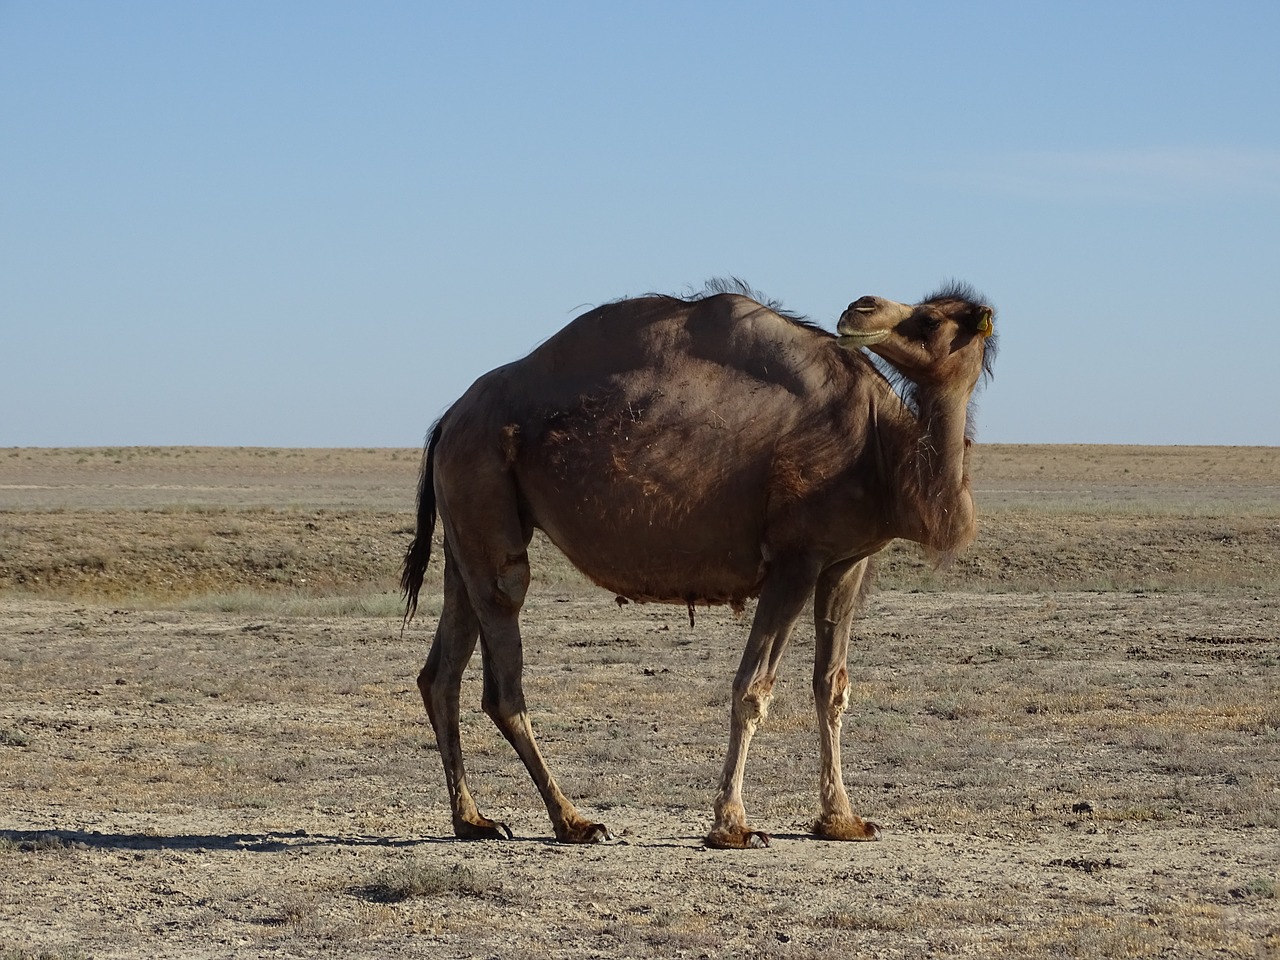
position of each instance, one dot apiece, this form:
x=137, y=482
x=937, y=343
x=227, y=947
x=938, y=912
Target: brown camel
x=697, y=451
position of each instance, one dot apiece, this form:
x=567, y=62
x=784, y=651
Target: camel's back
x=719, y=338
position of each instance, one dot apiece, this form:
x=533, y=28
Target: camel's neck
x=932, y=463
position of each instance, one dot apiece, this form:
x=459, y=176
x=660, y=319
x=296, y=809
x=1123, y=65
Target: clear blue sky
x=314, y=223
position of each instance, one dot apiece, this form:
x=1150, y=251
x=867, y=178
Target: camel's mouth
x=856, y=341
x=869, y=320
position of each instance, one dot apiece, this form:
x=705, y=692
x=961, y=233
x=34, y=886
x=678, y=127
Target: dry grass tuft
x=1260, y=888
x=413, y=878
x=45, y=843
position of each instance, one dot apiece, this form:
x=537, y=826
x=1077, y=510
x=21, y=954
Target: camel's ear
x=985, y=326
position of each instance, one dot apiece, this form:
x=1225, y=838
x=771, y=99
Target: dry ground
x=211, y=745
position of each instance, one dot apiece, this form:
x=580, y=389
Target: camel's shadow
x=268, y=842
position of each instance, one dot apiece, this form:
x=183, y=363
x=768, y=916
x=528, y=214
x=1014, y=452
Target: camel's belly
x=647, y=575
x=644, y=556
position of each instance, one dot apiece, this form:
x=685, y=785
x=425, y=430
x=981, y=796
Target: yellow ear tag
x=985, y=327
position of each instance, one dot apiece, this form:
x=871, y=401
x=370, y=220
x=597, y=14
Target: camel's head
x=947, y=339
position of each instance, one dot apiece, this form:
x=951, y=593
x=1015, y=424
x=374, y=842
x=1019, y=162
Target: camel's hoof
x=738, y=838
x=585, y=833
x=485, y=829
x=846, y=828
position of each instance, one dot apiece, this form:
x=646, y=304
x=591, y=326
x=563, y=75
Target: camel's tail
x=418, y=555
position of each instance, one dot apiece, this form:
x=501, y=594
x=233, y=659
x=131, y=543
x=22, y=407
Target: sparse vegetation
x=40, y=843
x=411, y=878
x=1261, y=888
x=12, y=737
x=41, y=953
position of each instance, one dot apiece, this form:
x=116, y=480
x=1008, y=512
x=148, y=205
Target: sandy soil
x=1059, y=772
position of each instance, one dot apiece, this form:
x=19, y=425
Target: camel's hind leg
x=835, y=601
x=440, y=683
x=490, y=546
x=504, y=702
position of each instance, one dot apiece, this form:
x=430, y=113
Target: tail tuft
x=418, y=555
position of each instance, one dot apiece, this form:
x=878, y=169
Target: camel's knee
x=512, y=582
x=509, y=715
x=491, y=704
x=440, y=679
x=831, y=692
x=429, y=687
x=751, y=703
x=440, y=659
x=501, y=701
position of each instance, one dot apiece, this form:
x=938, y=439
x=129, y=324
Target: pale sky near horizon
x=315, y=223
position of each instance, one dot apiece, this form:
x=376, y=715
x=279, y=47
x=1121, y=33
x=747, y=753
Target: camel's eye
x=929, y=324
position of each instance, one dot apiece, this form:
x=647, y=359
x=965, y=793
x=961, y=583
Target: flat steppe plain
x=211, y=743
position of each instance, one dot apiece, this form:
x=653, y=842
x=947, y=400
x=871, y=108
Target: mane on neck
x=924, y=447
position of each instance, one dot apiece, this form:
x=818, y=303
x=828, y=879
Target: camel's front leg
x=750, y=706
x=835, y=602
x=779, y=608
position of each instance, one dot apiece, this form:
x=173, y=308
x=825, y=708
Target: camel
x=699, y=450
